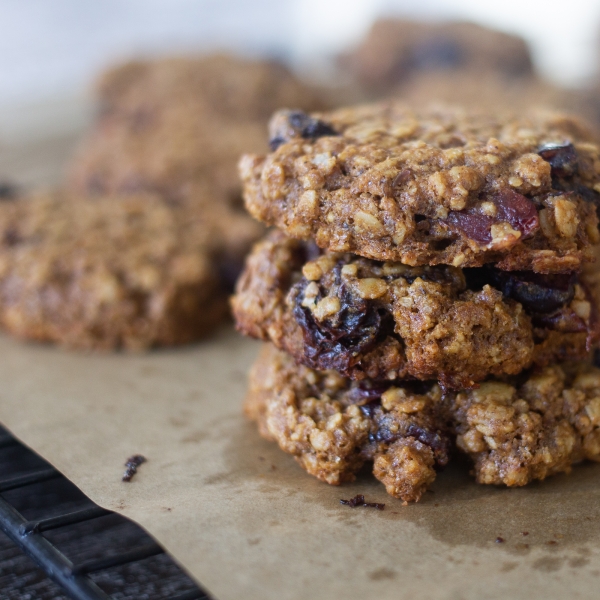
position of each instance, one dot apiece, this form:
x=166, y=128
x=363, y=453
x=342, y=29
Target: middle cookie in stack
x=433, y=247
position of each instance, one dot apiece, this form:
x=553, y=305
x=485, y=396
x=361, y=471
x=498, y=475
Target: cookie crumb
x=499, y=540
x=131, y=466
x=359, y=500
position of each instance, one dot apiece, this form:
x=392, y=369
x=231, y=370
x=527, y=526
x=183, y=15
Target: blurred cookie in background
x=130, y=271
x=493, y=92
x=176, y=127
x=168, y=124
x=395, y=50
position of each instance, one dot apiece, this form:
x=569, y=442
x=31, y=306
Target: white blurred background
x=50, y=50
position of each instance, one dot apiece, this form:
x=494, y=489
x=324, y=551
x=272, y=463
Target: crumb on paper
x=131, y=466
x=359, y=500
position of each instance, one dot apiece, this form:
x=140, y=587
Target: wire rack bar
x=118, y=559
x=72, y=518
x=58, y=567
x=28, y=479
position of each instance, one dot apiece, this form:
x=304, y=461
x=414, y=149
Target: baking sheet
x=247, y=522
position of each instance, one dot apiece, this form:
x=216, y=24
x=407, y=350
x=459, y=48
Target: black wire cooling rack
x=84, y=551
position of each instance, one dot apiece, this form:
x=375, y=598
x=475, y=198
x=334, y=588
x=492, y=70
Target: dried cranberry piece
x=287, y=125
x=366, y=392
x=563, y=320
x=475, y=226
x=337, y=343
x=518, y=210
x=401, y=178
x=389, y=430
x=511, y=206
x=538, y=293
x=563, y=159
x=438, y=442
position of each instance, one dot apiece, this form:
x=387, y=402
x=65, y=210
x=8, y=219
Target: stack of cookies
x=429, y=286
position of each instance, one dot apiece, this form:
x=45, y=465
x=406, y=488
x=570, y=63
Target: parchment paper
x=247, y=522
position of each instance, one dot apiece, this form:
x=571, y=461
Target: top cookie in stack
x=440, y=187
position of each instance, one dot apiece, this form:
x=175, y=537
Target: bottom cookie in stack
x=516, y=430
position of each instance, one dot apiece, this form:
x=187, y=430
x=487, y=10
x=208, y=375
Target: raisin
x=288, y=124
x=563, y=159
x=538, y=293
x=337, y=343
x=588, y=194
x=369, y=410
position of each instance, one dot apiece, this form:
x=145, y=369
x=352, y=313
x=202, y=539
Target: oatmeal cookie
x=332, y=426
x=131, y=271
x=518, y=433
x=396, y=50
x=385, y=320
x=473, y=91
x=430, y=187
x=165, y=125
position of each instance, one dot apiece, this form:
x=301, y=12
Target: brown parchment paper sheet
x=247, y=522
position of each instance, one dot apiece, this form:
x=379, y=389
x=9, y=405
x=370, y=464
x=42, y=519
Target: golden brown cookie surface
x=437, y=186
x=516, y=431
x=519, y=433
x=386, y=320
x=332, y=426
